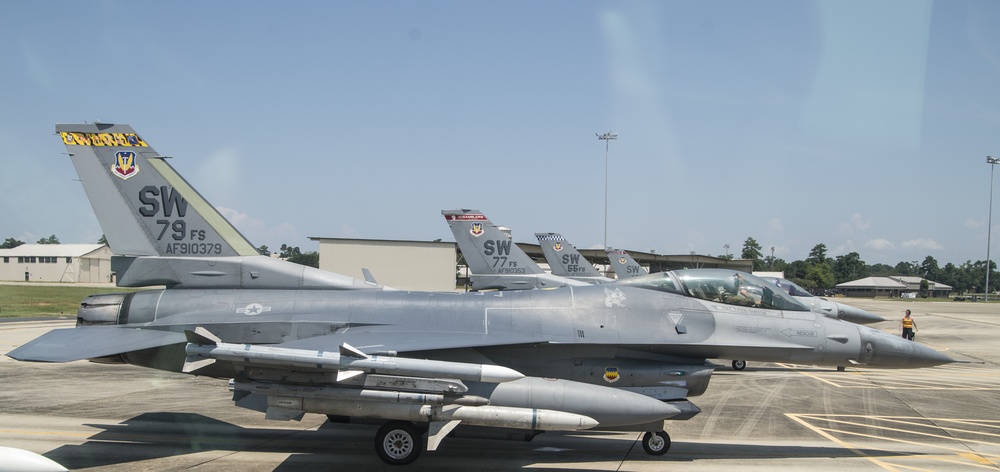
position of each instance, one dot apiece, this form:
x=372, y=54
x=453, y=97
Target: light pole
x=606, y=137
x=726, y=247
x=770, y=265
x=989, y=227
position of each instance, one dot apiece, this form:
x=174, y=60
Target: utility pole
x=606, y=137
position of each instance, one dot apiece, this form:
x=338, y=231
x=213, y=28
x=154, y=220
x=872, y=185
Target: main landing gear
x=399, y=442
x=656, y=443
x=739, y=365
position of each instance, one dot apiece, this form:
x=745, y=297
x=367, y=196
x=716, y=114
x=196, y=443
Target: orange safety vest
x=908, y=323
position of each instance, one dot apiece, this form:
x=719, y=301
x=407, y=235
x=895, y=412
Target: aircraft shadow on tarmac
x=151, y=436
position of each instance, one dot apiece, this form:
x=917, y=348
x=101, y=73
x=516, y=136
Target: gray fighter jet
x=826, y=307
x=494, y=260
x=623, y=264
x=596, y=357
x=566, y=261
x=162, y=231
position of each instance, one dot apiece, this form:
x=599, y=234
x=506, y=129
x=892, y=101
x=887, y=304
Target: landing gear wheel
x=398, y=442
x=656, y=444
x=739, y=365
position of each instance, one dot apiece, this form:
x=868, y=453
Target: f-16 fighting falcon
x=566, y=261
x=162, y=231
x=622, y=357
x=494, y=260
x=623, y=264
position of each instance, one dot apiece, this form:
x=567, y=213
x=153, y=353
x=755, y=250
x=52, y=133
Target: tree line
x=815, y=272
x=820, y=272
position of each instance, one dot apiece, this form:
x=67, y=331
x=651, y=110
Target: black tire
x=398, y=443
x=656, y=444
x=739, y=365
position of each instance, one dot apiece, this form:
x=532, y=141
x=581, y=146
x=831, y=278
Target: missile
x=204, y=348
x=356, y=394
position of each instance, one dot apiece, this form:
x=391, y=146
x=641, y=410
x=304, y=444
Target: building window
x=33, y=259
x=69, y=260
x=6, y=259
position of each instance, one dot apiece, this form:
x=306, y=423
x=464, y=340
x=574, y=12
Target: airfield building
x=69, y=263
x=435, y=266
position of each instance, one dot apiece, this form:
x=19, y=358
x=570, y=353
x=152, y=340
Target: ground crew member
x=908, y=325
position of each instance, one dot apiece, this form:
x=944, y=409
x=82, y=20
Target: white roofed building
x=892, y=286
x=70, y=263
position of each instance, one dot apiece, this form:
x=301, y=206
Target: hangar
x=71, y=263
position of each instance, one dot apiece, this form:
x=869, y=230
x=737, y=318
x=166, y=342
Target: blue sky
x=860, y=125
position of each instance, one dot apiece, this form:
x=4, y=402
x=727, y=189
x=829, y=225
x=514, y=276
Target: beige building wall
x=405, y=265
x=68, y=263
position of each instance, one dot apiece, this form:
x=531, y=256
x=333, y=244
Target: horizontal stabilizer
x=74, y=344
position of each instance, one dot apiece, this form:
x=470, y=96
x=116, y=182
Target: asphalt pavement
x=769, y=417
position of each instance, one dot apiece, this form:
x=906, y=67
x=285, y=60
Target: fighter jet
x=494, y=260
x=566, y=261
x=622, y=357
x=623, y=264
x=162, y=231
x=826, y=307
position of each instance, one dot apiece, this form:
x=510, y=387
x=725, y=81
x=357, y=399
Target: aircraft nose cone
x=857, y=315
x=879, y=349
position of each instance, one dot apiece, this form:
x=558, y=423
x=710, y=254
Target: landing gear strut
x=656, y=443
x=398, y=442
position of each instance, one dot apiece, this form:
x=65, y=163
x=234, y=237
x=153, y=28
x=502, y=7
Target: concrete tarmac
x=769, y=417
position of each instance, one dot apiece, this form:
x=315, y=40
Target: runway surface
x=768, y=417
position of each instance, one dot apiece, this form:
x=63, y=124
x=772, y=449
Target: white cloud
x=922, y=243
x=880, y=244
x=776, y=225
x=855, y=224
x=974, y=224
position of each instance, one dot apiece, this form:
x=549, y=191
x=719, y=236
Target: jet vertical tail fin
x=161, y=230
x=143, y=205
x=495, y=261
x=566, y=261
x=624, y=265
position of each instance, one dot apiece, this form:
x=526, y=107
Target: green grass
x=21, y=301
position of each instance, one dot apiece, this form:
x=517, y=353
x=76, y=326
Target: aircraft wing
x=372, y=341
x=74, y=344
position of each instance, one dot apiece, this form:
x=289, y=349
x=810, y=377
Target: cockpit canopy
x=792, y=288
x=719, y=285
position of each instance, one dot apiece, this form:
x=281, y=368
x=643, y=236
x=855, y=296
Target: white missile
x=357, y=394
x=204, y=348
